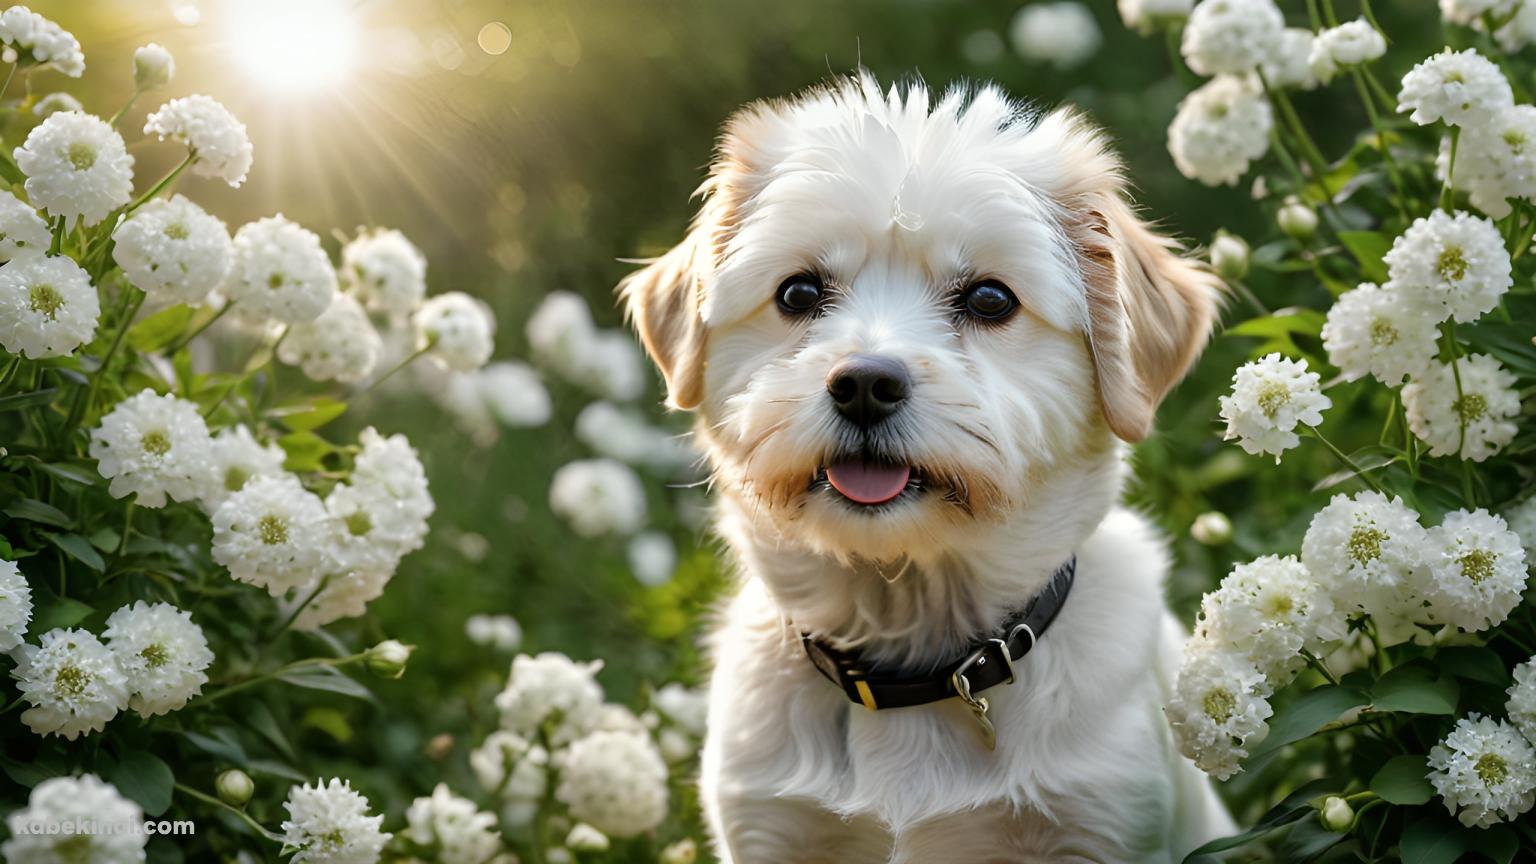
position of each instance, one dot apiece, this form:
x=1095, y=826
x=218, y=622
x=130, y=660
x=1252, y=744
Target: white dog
x=915, y=335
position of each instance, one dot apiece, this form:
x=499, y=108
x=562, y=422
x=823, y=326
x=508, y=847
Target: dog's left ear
x=1149, y=307
x=662, y=302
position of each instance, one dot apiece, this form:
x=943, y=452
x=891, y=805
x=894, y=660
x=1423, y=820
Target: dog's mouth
x=865, y=481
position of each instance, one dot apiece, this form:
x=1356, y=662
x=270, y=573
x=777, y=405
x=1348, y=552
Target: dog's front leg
x=774, y=831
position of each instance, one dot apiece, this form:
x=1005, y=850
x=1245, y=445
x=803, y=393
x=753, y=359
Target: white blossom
x=386, y=271
x=1290, y=63
x=1371, y=331
x=584, y=838
x=38, y=41
x=280, y=271
x=1221, y=127
x=1521, y=706
x=452, y=827
x=598, y=496
x=1145, y=16
x=687, y=707
x=77, y=167
x=1458, y=88
x=1230, y=37
x=1268, y=610
x=1474, y=419
x=1270, y=398
x=1219, y=708
x=174, y=251
x=235, y=458
x=514, y=394
x=456, y=329
x=72, y=681
x=1496, y=160
x=48, y=306
x=153, y=67
x=328, y=823
x=1522, y=520
x=163, y=655
x=508, y=765
x=501, y=632
x=1485, y=771
x=1061, y=33
x=550, y=688
x=53, y=103
x=21, y=229
x=1451, y=265
x=1466, y=12
x=270, y=534
x=627, y=437
x=390, y=466
x=341, y=344
x=1520, y=31
x=1344, y=47
x=1368, y=552
x=560, y=329
x=652, y=558
x=1477, y=570
x=155, y=446
x=216, y=141
x=616, y=781
x=15, y=606
x=69, y=801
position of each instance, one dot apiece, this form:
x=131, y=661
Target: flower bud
x=1336, y=815
x=585, y=838
x=1229, y=256
x=153, y=67
x=1296, y=219
x=684, y=851
x=388, y=658
x=1212, y=528
x=235, y=787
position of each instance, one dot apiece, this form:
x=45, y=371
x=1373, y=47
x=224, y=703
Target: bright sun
x=294, y=44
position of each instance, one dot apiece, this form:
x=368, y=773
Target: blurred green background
x=527, y=147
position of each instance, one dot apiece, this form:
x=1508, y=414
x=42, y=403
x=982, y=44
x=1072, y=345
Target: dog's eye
x=990, y=300
x=799, y=294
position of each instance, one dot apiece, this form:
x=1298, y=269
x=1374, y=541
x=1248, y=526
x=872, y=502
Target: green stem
x=1328, y=14
x=398, y=366
x=1309, y=148
x=1322, y=668
x=1448, y=330
x=133, y=299
x=276, y=673
x=1251, y=298
x=1186, y=78
x=8, y=76
x=294, y=615
x=1345, y=460
x=126, y=105
x=249, y=370
x=1400, y=195
x=239, y=813
x=57, y=244
x=1388, y=101
x=164, y=182
x=187, y=340
x=1448, y=191
x=15, y=703
x=1370, y=17
x=122, y=542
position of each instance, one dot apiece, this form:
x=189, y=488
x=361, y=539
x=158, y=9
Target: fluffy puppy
x=915, y=334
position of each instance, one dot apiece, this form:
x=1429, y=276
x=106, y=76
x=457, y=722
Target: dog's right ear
x=663, y=302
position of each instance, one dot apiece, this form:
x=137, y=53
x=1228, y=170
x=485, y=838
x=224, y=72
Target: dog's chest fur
x=1083, y=764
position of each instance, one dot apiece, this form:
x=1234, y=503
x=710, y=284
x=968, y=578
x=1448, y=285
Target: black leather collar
x=988, y=663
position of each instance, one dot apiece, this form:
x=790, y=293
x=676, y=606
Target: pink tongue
x=868, y=482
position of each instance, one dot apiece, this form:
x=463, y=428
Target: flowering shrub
x=1379, y=682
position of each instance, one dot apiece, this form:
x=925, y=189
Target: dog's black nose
x=868, y=388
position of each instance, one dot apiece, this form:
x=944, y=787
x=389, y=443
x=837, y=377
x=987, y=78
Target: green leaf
x=62, y=612
x=1510, y=343
x=1416, y=689
x=330, y=721
x=260, y=718
x=1306, y=715
x=78, y=548
x=34, y=510
x=1404, y=780
x=1369, y=248
x=34, y=771
x=1499, y=844
x=1432, y=841
x=1282, y=322
x=83, y=473
x=311, y=416
x=220, y=743
x=1474, y=663
x=145, y=779
x=1367, y=459
x=306, y=451
x=326, y=678
x=160, y=329
x=277, y=769
x=23, y=401
x=1306, y=840
x=1293, y=807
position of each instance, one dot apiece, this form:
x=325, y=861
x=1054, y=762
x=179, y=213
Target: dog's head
x=897, y=318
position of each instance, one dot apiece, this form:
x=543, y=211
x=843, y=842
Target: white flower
x=560, y=329
x=342, y=594
x=1520, y=31
x=153, y=67
x=688, y=708
x=174, y=251
x=53, y=103
x=1521, y=707
x=1270, y=397
x=1220, y=128
x=1477, y=570
x=280, y=271
x=15, y=606
x=550, y=688
x=605, y=362
x=1229, y=255
x=1211, y=528
x=162, y=653
x=1290, y=63
x=1229, y=37
x=1452, y=265
x=216, y=141
x=496, y=760
x=40, y=42
x=456, y=329
x=155, y=446
x=1371, y=331
x=1344, y=47
x=1496, y=160
x=386, y=271
x=453, y=827
x=584, y=838
x=76, y=167
x=1458, y=88
x=1522, y=521
x=1219, y=707
x=514, y=394
x=1486, y=408
x=1485, y=771
x=652, y=558
x=391, y=466
x=48, y=307
x=72, y=682
x=625, y=436
x=501, y=632
x=235, y=458
x=611, y=366
x=1061, y=33
x=339, y=345
x=598, y=496
x=63, y=801
x=271, y=533
x=1368, y=553
x=1268, y=610
x=1468, y=11
x=616, y=781
x=21, y=229
x=1146, y=16
x=328, y=823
